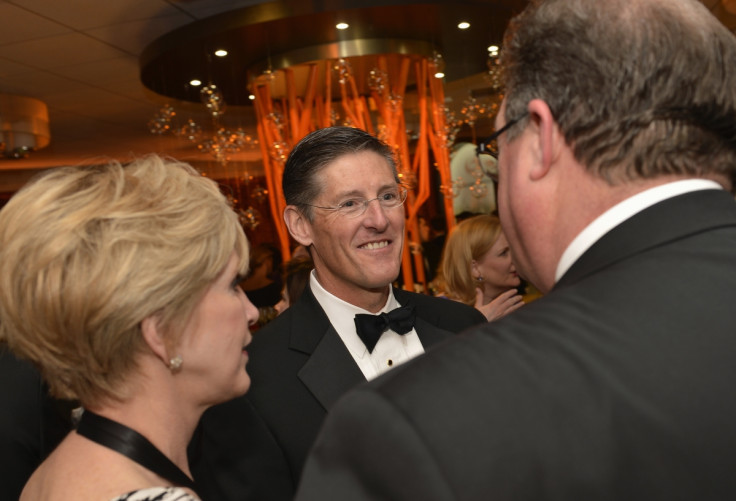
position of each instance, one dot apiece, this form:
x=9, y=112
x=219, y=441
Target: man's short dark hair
x=316, y=151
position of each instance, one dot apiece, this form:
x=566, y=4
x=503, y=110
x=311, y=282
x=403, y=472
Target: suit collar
x=428, y=333
x=330, y=370
x=309, y=323
x=671, y=219
x=622, y=211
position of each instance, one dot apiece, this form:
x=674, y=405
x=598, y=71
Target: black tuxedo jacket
x=31, y=422
x=255, y=446
x=617, y=385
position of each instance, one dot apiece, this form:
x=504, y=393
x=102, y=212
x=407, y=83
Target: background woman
x=477, y=268
x=120, y=284
x=296, y=277
x=263, y=284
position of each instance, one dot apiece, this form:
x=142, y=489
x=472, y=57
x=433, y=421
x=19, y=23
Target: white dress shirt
x=623, y=211
x=391, y=350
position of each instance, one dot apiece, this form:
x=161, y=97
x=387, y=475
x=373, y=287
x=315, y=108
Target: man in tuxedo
x=345, y=204
x=617, y=139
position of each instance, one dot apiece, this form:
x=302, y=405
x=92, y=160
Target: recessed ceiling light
x=251, y=96
x=342, y=26
x=221, y=53
x=195, y=82
x=463, y=25
x=493, y=48
x=439, y=74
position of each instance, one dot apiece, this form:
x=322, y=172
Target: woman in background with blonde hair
x=120, y=284
x=477, y=268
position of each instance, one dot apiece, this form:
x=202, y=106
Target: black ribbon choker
x=132, y=445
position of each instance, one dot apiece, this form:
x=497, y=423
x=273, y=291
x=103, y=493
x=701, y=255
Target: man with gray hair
x=345, y=204
x=617, y=139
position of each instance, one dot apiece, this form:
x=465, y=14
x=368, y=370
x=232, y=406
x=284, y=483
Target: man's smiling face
x=356, y=254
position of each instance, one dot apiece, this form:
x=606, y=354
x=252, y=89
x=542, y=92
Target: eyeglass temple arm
x=483, y=147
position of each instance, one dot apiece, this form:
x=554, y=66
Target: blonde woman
x=120, y=284
x=477, y=268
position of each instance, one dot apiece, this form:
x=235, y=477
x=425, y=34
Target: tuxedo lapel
x=330, y=369
x=430, y=334
x=426, y=318
x=663, y=222
x=309, y=323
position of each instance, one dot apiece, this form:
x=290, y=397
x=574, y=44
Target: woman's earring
x=175, y=364
x=479, y=279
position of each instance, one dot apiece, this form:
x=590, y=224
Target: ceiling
x=84, y=59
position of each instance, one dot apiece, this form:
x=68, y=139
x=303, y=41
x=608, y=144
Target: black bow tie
x=371, y=327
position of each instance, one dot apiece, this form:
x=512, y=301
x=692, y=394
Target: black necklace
x=131, y=444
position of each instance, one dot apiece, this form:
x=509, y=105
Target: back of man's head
x=639, y=88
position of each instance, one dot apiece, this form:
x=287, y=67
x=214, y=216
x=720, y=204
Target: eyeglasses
x=490, y=145
x=356, y=206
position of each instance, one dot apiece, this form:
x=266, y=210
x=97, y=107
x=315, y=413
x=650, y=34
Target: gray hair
x=639, y=88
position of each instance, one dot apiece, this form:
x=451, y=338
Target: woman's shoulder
x=158, y=494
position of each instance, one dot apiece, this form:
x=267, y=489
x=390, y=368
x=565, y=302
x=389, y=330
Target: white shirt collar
x=623, y=211
x=391, y=350
x=342, y=315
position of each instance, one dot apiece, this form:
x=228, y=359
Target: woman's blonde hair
x=86, y=253
x=468, y=241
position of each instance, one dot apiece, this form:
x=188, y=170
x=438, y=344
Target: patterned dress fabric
x=158, y=494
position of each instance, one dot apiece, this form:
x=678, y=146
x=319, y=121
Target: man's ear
x=548, y=139
x=299, y=227
x=153, y=335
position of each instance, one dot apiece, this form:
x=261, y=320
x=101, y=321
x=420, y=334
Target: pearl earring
x=479, y=279
x=175, y=363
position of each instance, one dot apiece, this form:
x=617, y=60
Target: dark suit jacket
x=617, y=385
x=254, y=447
x=31, y=423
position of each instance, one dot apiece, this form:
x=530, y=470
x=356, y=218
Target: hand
x=504, y=304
